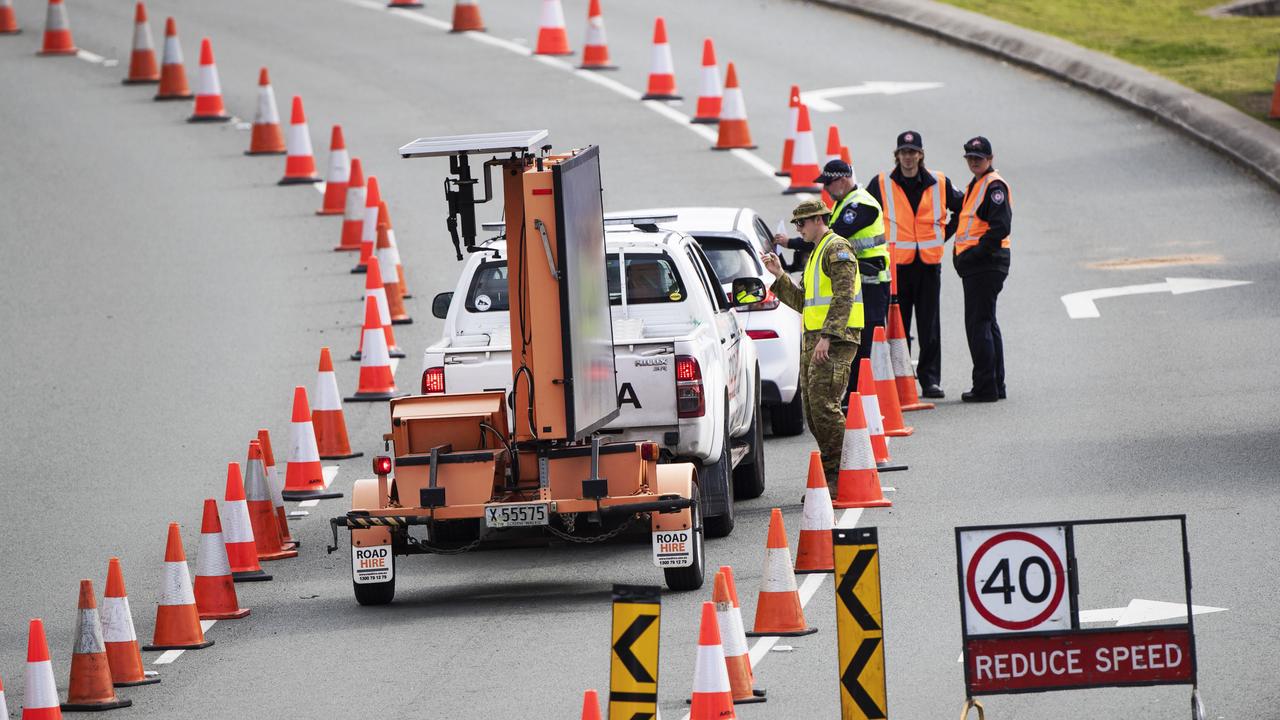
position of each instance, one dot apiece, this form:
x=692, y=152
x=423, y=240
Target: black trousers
x=986, y=346
x=875, y=309
x=919, y=294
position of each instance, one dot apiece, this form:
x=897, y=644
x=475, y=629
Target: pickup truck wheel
x=748, y=477
x=787, y=420
x=377, y=593
x=720, y=475
x=690, y=578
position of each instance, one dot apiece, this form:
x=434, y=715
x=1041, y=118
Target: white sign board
x=1015, y=580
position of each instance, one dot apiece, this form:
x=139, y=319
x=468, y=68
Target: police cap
x=910, y=140
x=833, y=170
x=978, y=147
x=808, y=209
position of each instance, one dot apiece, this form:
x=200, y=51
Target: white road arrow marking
x=1081, y=304
x=819, y=100
x=1143, y=611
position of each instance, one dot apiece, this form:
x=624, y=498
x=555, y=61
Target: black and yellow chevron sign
x=859, y=624
x=633, y=658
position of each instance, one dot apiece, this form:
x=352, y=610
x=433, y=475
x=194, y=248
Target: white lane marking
x=319, y=187
x=169, y=656
x=96, y=59
x=1140, y=611
x=329, y=472
x=1080, y=304
x=819, y=100
x=308, y=503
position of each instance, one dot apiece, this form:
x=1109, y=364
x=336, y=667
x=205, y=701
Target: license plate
x=515, y=515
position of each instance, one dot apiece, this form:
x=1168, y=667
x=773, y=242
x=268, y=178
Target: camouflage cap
x=808, y=209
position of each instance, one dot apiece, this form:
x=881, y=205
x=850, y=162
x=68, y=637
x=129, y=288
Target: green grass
x=1232, y=58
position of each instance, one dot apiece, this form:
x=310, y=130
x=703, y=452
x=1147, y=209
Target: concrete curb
x=1249, y=142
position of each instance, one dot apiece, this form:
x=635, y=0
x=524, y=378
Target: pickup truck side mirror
x=748, y=291
x=440, y=305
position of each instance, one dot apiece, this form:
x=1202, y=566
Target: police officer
x=982, y=260
x=916, y=202
x=829, y=300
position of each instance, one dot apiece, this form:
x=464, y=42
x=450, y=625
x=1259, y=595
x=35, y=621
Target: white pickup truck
x=688, y=376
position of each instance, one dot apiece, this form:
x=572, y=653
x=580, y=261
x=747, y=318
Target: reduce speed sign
x=1015, y=580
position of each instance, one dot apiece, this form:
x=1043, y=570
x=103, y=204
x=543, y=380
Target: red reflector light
x=542, y=191
x=433, y=381
x=382, y=465
x=649, y=451
x=762, y=334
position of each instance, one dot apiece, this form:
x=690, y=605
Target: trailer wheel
x=690, y=578
x=376, y=593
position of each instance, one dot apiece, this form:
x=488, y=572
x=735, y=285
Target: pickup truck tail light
x=690, y=402
x=433, y=381
x=762, y=334
x=770, y=302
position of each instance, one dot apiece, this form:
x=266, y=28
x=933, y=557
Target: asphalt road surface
x=162, y=297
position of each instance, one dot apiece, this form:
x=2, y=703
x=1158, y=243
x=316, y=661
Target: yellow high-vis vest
x=818, y=294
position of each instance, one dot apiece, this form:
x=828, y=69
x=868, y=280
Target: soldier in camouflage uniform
x=830, y=300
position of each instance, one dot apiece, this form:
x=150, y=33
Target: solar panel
x=517, y=141
x=609, y=221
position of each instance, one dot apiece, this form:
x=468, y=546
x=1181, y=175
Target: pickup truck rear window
x=651, y=278
x=488, y=291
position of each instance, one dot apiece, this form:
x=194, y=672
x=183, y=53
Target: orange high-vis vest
x=971, y=226
x=925, y=230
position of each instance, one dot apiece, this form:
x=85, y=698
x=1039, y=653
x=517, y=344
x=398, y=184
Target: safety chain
x=589, y=540
x=447, y=551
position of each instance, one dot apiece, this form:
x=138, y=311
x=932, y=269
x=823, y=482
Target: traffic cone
x=300, y=161
x=262, y=512
x=734, y=132
x=335, y=182
x=8, y=26
x=40, y=697
x=804, y=159
x=552, y=38
x=834, y=148
x=353, y=210
x=813, y=550
x=793, y=119
x=215, y=588
x=237, y=536
x=4, y=707
x=376, y=379
x=177, y=620
x=595, y=54
x=404, y=4
x=778, y=610
x=389, y=265
x=590, y=705
x=373, y=289
x=173, y=74
x=886, y=390
x=662, y=70
x=142, y=62
x=712, y=694
x=208, y=105
x=118, y=635
x=466, y=17
x=737, y=660
x=875, y=421
x=712, y=95
x=277, y=488
x=267, y=138
x=369, y=227
x=1275, y=97
x=904, y=376
x=738, y=626
x=858, y=484
x=57, y=31
x=90, y=685
x=303, y=476
x=326, y=417
x=395, y=256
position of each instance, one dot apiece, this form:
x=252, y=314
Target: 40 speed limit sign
x=1015, y=580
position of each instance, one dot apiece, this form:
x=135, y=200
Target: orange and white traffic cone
x=1275, y=97
x=712, y=694
x=466, y=17
x=373, y=289
x=904, y=376
x=813, y=549
x=662, y=70
x=267, y=137
x=368, y=228
x=734, y=131
x=335, y=182
x=875, y=421
x=4, y=707
x=712, y=95
x=793, y=120
x=40, y=698
x=277, y=488
x=142, y=62
x=303, y=476
x=403, y=4
x=215, y=588
x=738, y=627
x=834, y=148
x=262, y=512
x=778, y=609
x=90, y=686
x=300, y=159
x=389, y=265
x=858, y=484
x=552, y=38
x=173, y=74
x=8, y=26
x=395, y=256
x=804, y=159
x=208, y=105
x=737, y=659
x=590, y=705
x=177, y=619
x=595, y=54
x=353, y=210
x=376, y=379
x=118, y=635
x=886, y=390
x=57, y=31
x=238, y=535
x=326, y=417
